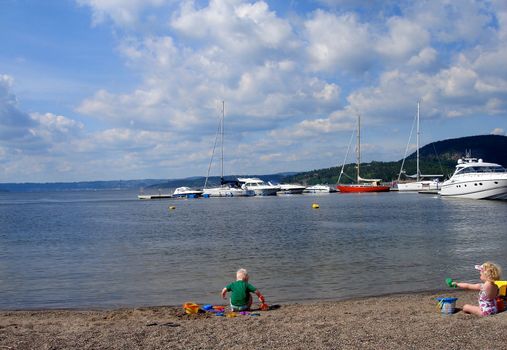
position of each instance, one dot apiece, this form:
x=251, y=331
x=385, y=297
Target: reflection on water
x=106, y=249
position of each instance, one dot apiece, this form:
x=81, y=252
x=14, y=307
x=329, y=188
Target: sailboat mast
x=222, y=136
x=358, y=149
x=417, y=143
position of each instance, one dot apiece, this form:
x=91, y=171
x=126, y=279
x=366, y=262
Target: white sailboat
x=226, y=188
x=418, y=181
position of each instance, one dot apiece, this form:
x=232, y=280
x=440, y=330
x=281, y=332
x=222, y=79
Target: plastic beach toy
x=447, y=306
x=191, y=308
x=502, y=288
x=450, y=283
x=315, y=206
x=207, y=307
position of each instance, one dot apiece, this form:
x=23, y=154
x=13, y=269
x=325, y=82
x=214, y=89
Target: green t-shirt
x=240, y=292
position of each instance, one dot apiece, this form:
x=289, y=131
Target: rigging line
x=213, y=152
x=354, y=180
x=346, y=154
x=438, y=158
x=406, y=149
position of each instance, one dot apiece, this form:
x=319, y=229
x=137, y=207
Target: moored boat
x=186, y=192
x=260, y=187
x=290, y=189
x=362, y=185
x=418, y=182
x=226, y=188
x=476, y=179
x=319, y=189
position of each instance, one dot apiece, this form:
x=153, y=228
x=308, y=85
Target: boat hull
x=418, y=186
x=290, y=189
x=362, y=188
x=227, y=192
x=265, y=191
x=319, y=189
x=476, y=189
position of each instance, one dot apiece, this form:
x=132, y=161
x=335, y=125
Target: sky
x=132, y=89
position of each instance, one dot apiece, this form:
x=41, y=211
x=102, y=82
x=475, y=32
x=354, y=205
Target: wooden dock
x=429, y=192
x=154, y=196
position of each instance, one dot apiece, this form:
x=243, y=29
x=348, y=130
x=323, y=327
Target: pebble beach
x=400, y=321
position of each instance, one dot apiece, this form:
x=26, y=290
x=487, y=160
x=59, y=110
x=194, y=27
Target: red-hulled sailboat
x=362, y=185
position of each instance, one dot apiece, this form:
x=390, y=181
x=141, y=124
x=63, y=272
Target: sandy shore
x=408, y=321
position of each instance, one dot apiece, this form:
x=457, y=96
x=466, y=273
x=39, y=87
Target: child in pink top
x=488, y=290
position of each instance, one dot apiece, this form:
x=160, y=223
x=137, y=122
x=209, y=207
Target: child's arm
x=472, y=286
x=224, y=292
x=260, y=296
x=491, y=290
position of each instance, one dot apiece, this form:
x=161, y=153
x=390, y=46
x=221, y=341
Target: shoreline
x=402, y=320
x=289, y=302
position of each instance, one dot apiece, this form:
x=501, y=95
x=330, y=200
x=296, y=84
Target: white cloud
x=338, y=43
x=121, y=12
x=425, y=58
x=498, y=131
x=14, y=123
x=237, y=26
x=451, y=22
x=404, y=40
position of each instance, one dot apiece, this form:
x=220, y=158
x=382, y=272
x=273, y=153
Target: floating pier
x=155, y=196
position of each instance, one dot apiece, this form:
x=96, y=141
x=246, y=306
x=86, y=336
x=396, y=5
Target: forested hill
x=435, y=158
x=491, y=148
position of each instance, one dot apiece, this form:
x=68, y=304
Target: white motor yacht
x=260, y=187
x=228, y=189
x=290, y=189
x=187, y=192
x=319, y=189
x=476, y=179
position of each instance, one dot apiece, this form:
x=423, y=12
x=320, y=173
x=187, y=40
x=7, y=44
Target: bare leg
x=472, y=309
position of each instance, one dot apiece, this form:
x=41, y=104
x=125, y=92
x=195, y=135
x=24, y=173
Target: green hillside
x=435, y=158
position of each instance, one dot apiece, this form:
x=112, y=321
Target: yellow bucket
x=191, y=308
x=502, y=286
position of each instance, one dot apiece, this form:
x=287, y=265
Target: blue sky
x=129, y=89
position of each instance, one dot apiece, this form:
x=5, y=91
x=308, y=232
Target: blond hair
x=491, y=271
x=242, y=275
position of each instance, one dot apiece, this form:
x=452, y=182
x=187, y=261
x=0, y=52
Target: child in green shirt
x=241, y=299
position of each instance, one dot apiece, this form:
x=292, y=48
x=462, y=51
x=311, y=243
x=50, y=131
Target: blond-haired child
x=241, y=299
x=488, y=290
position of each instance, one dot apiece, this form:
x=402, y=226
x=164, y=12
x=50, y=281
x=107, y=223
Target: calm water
x=107, y=249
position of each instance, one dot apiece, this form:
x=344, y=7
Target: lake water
x=107, y=249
